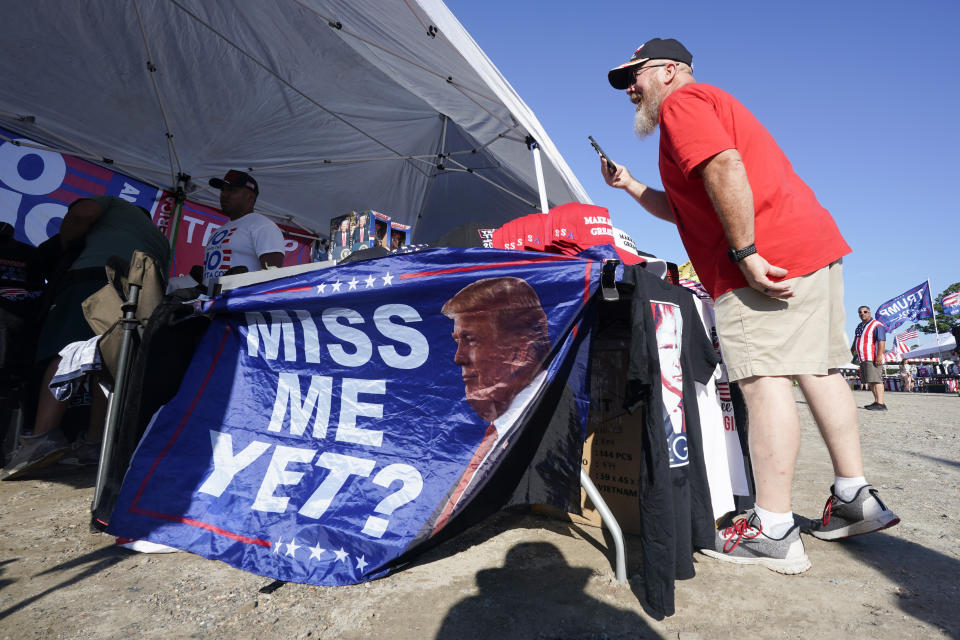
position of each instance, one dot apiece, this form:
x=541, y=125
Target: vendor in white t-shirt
x=249, y=239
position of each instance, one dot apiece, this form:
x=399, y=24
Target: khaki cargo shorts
x=763, y=336
x=870, y=373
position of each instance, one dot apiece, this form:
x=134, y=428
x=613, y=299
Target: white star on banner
x=316, y=552
x=276, y=545
x=292, y=547
x=361, y=563
x=341, y=555
x=370, y=280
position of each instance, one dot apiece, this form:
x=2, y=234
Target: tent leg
x=538, y=167
x=129, y=324
x=607, y=516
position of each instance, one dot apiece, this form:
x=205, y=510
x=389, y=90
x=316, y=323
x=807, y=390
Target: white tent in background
x=333, y=105
x=947, y=344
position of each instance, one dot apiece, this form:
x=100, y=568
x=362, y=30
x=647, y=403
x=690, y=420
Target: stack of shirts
x=567, y=229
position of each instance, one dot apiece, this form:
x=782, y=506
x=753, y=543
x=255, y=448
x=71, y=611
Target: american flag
x=900, y=347
x=695, y=287
x=907, y=335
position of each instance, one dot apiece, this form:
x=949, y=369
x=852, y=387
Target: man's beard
x=647, y=116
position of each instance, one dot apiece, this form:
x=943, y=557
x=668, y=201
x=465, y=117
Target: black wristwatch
x=736, y=255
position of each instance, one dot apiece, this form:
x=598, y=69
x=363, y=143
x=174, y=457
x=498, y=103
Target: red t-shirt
x=791, y=229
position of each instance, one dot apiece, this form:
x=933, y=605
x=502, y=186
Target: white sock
x=846, y=488
x=775, y=525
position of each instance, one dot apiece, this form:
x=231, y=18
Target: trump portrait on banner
x=501, y=334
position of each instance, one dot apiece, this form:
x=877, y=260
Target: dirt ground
x=519, y=575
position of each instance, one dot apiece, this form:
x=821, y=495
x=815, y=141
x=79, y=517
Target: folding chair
x=117, y=313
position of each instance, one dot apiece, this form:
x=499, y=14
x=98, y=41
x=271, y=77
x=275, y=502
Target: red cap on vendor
x=236, y=178
x=654, y=49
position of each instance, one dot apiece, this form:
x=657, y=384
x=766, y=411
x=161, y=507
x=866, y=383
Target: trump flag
x=333, y=424
x=951, y=304
x=910, y=306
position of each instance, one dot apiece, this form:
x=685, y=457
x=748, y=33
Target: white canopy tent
x=333, y=105
x=947, y=344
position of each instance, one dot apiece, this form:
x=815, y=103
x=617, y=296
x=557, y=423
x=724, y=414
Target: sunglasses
x=638, y=70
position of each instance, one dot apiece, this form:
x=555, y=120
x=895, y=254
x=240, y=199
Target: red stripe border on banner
x=176, y=434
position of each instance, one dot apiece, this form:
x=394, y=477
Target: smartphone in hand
x=611, y=168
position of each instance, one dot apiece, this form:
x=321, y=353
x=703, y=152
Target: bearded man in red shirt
x=771, y=257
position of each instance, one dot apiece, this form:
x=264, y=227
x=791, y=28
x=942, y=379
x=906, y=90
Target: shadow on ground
x=927, y=580
x=951, y=463
x=91, y=564
x=536, y=594
x=76, y=477
x=927, y=586
x=509, y=519
x=4, y=581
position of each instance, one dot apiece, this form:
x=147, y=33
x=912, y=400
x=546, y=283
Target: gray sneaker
x=745, y=543
x=82, y=454
x=33, y=454
x=866, y=513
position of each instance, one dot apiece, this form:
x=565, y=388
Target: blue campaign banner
x=331, y=421
x=37, y=185
x=910, y=306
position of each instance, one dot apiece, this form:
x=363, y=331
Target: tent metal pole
x=935, y=329
x=608, y=519
x=443, y=136
x=538, y=167
x=152, y=69
x=475, y=172
x=175, y=219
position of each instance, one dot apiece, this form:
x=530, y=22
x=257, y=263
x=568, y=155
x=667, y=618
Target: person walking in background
x=770, y=256
x=906, y=380
x=868, y=346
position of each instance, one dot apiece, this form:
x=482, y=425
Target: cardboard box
x=379, y=229
x=399, y=235
x=341, y=235
x=356, y=231
x=611, y=452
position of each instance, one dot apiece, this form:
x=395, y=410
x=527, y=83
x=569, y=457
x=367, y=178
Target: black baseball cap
x=654, y=49
x=236, y=179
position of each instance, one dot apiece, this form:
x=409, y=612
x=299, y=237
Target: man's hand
x=268, y=260
x=619, y=179
x=758, y=272
x=652, y=200
x=881, y=349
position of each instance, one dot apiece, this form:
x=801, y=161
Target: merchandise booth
x=931, y=367
x=324, y=406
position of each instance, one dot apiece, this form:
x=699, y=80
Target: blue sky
x=862, y=96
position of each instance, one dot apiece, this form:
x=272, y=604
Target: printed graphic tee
x=240, y=243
